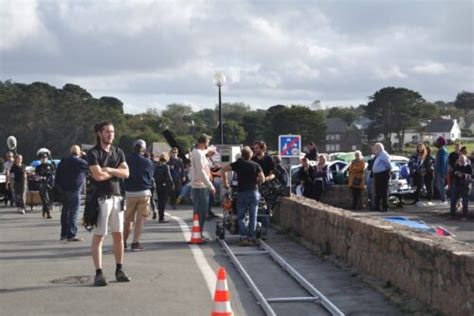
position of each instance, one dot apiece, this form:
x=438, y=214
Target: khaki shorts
x=137, y=206
x=110, y=213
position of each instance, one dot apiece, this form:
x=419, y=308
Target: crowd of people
x=118, y=182
x=427, y=173
x=130, y=182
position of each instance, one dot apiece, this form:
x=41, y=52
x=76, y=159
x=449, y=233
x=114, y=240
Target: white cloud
x=430, y=69
x=21, y=25
x=272, y=52
x=388, y=72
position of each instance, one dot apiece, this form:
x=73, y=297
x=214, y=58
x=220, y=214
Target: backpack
x=163, y=177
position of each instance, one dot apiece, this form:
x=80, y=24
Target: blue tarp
x=418, y=225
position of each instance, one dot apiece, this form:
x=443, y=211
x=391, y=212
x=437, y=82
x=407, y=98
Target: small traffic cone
x=196, y=231
x=221, y=296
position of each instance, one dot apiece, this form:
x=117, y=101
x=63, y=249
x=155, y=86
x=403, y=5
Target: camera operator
x=249, y=174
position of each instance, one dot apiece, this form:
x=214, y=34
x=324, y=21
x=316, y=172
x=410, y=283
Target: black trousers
x=356, y=193
x=162, y=196
x=19, y=193
x=428, y=180
x=44, y=194
x=381, y=190
x=418, y=183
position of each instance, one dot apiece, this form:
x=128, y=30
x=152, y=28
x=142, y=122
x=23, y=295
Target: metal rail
x=261, y=299
x=301, y=280
x=316, y=297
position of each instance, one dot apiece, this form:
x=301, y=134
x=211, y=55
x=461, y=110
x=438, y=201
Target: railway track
x=313, y=295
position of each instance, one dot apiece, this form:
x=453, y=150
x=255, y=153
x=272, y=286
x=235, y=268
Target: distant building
x=341, y=137
x=412, y=136
x=449, y=129
x=362, y=125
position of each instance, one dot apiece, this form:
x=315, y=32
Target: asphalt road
x=41, y=275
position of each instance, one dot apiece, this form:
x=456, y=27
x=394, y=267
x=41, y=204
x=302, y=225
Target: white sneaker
x=21, y=211
x=429, y=203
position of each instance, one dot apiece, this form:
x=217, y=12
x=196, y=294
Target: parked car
x=335, y=167
x=398, y=162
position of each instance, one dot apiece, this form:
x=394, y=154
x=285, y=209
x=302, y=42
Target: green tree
x=347, y=114
x=254, y=124
x=185, y=142
x=40, y=115
x=233, y=111
x=179, y=116
x=465, y=101
x=448, y=109
x=297, y=119
x=234, y=133
x=394, y=110
x=204, y=121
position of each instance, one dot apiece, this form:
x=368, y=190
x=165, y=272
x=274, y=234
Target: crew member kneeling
x=249, y=174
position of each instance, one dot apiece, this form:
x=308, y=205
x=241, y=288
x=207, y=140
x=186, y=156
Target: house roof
x=438, y=126
x=335, y=125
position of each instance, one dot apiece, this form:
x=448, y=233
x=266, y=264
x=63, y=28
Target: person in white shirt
x=201, y=185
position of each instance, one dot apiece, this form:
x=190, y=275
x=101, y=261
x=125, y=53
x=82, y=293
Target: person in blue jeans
x=70, y=177
x=249, y=175
x=201, y=185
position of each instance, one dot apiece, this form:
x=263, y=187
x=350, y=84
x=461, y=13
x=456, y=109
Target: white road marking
x=201, y=261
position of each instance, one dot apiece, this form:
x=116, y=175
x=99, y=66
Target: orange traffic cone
x=196, y=231
x=221, y=296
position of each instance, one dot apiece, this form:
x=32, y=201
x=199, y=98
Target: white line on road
x=201, y=261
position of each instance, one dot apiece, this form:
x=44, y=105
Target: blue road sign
x=289, y=145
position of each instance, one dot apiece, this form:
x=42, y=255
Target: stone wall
x=341, y=196
x=435, y=270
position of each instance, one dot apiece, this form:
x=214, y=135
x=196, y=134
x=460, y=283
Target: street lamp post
x=219, y=81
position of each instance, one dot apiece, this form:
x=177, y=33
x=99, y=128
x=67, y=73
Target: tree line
x=41, y=115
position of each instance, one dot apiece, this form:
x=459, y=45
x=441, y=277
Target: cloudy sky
x=152, y=53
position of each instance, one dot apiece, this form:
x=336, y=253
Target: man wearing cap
x=70, y=177
x=137, y=193
x=441, y=168
x=201, y=185
x=45, y=171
